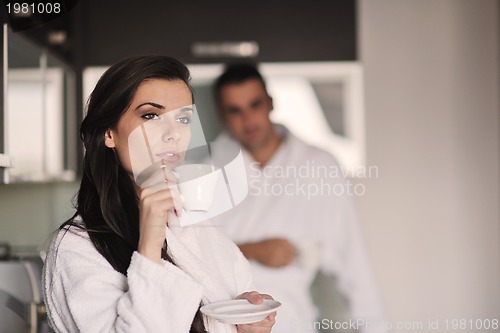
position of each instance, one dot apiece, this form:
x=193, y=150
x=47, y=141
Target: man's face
x=245, y=110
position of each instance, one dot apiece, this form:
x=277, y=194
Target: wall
x=432, y=117
x=29, y=213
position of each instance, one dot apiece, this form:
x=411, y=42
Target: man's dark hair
x=235, y=74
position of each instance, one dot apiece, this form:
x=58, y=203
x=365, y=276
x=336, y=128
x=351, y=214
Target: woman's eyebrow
x=186, y=108
x=158, y=106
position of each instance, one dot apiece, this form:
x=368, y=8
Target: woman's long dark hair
x=107, y=200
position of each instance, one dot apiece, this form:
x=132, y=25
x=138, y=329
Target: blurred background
x=409, y=87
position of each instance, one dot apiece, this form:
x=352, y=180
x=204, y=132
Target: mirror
x=36, y=114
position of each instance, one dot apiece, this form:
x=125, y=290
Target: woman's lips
x=168, y=156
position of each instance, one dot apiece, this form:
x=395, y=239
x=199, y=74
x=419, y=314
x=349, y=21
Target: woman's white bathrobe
x=83, y=293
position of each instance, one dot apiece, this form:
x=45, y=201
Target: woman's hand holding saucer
x=263, y=326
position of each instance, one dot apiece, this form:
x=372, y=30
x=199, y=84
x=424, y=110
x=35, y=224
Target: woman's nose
x=171, y=135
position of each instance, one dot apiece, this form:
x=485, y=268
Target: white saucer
x=240, y=311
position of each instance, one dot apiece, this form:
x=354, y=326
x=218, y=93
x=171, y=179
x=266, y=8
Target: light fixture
x=241, y=49
x=57, y=37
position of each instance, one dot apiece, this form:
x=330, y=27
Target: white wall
x=432, y=116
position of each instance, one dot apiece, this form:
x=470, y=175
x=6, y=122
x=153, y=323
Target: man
x=297, y=217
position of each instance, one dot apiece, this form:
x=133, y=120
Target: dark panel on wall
x=39, y=35
x=313, y=30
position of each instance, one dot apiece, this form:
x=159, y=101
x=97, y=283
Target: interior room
x=404, y=93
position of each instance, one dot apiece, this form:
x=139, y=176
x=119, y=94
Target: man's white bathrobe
x=83, y=293
x=301, y=195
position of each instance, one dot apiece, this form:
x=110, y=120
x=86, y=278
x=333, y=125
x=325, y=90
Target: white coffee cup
x=196, y=183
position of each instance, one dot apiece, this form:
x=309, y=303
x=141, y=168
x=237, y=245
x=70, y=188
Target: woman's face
x=159, y=116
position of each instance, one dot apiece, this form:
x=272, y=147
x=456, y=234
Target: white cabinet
x=35, y=128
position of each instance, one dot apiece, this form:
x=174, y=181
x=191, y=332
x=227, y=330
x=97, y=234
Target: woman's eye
x=150, y=116
x=184, y=120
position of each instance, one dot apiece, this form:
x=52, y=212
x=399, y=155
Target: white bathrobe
x=302, y=196
x=83, y=293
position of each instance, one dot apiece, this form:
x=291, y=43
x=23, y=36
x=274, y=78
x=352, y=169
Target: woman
x=109, y=267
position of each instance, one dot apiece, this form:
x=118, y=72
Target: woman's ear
x=109, y=140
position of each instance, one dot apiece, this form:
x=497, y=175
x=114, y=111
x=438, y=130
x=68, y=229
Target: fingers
x=155, y=176
x=157, y=202
x=170, y=175
x=286, y=248
x=266, y=296
x=164, y=195
x=169, y=180
x=289, y=247
x=176, y=197
x=277, y=252
x=288, y=252
x=263, y=326
x=272, y=317
x=157, y=205
x=252, y=296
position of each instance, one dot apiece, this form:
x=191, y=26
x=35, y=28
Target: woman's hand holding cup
x=154, y=205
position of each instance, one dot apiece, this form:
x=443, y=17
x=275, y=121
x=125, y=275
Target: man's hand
x=263, y=326
x=271, y=252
